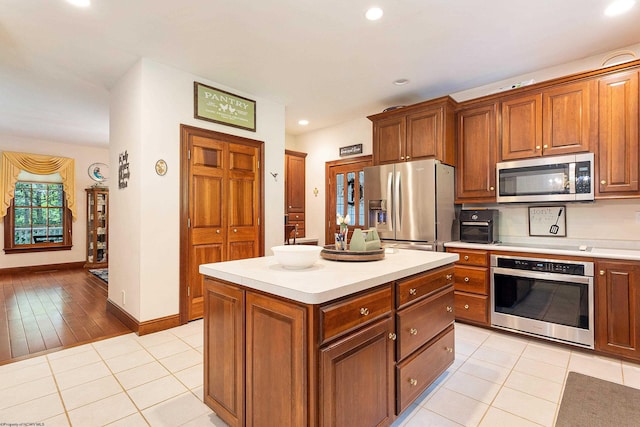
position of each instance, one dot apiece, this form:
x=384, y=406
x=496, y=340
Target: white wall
x=161, y=98
x=585, y=220
x=84, y=156
x=323, y=146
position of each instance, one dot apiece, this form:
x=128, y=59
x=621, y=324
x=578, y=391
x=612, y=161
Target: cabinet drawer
x=295, y=216
x=471, y=257
x=415, y=374
x=345, y=315
x=420, y=322
x=421, y=285
x=472, y=307
x=472, y=279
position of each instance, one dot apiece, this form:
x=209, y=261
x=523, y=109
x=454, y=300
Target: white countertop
x=325, y=280
x=571, y=250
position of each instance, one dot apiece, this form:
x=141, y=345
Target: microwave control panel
x=583, y=177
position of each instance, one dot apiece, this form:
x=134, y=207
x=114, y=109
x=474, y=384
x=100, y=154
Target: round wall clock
x=99, y=172
x=161, y=167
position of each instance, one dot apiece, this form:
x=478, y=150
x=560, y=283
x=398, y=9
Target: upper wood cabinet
x=477, y=142
x=618, y=146
x=556, y=120
x=421, y=131
x=294, y=183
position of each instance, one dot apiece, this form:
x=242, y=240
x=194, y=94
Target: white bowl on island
x=296, y=257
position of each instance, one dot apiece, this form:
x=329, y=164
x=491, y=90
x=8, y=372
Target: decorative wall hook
x=275, y=176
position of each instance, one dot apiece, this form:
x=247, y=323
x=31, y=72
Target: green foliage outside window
x=38, y=213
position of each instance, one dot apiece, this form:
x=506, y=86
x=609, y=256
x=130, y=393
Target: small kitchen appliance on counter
x=479, y=226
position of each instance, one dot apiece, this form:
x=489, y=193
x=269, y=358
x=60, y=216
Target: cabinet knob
x=413, y=382
x=217, y=231
x=466, y=306
x=364, y=311
x=466, y=279
x=401, y=157
x=466, y=257
x=235, y=230
x=602, y=272
x=412, y=291
x=408, y=157
x=413, y=331
x=545, y=146
x=289, y=207
x=450, y=309
x=491, y=188
x=537, y=147
x=449, y=276
x=392, y=336
x=448, y=349
x=603, y=182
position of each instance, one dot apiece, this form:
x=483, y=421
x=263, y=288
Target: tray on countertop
x=331, y=253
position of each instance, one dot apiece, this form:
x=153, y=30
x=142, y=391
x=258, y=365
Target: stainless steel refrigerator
x=411, y=203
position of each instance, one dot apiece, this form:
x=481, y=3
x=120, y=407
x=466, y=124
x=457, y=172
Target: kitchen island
x=339, y=343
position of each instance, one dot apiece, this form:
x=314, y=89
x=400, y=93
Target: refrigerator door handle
x=398, y=202
x=390, y=196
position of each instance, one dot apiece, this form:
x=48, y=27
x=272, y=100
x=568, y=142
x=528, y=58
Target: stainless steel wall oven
x=543, y=297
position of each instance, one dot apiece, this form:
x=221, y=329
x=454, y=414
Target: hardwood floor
x=43, y=311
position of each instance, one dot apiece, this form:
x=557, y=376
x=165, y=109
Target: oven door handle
x=541, y=275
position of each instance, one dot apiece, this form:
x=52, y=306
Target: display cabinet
x=97, y=227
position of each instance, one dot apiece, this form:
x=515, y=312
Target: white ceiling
x=321, y=59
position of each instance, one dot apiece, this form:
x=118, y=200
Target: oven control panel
x=542, y=265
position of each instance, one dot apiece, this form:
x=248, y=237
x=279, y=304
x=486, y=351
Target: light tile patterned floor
x=497, y=380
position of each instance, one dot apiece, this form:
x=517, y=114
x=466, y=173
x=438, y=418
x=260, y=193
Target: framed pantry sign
x=222, y=107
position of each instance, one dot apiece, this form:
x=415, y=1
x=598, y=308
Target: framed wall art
x=219, y=106
x=548, y=221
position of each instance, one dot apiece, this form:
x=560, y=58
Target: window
x=38, y=218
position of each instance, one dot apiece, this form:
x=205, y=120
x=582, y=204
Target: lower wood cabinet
x=357, y=361
x=617, y=297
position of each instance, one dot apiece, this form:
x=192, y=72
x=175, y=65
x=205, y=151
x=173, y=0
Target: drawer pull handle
x=466, y=257
x=466, y=279
x=466, y=306
x=450, y=309
x=413, y=382
x=392, y=336
x=449, y=349
x=449, y=276
x=413, y=331
x=364, y=311
x=412, y=291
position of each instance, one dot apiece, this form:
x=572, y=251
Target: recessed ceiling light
x=619, y=7
x=400, y=82
x=80, y=3
x=303, y=122
x=374, y=13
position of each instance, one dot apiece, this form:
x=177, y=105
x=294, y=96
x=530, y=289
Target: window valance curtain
x=13, y=163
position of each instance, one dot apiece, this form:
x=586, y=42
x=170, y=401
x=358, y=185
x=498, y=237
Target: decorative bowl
x=296, y=257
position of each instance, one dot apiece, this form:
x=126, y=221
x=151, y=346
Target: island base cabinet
x=224, y=351
x=276, y=393
x=357, y=379
x=417, y=372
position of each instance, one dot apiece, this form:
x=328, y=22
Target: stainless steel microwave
x=546, y=179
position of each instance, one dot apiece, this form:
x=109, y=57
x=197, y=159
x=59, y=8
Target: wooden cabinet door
x=569, y=113
x=276, y=363
x=389, y=140
x=618, y=146
x=357, y=379
x=522, y=127
x=242, y=203
x=295, y=181
x=224, y=351
x=424, y=135
x=617, y=320
x=476, y=170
